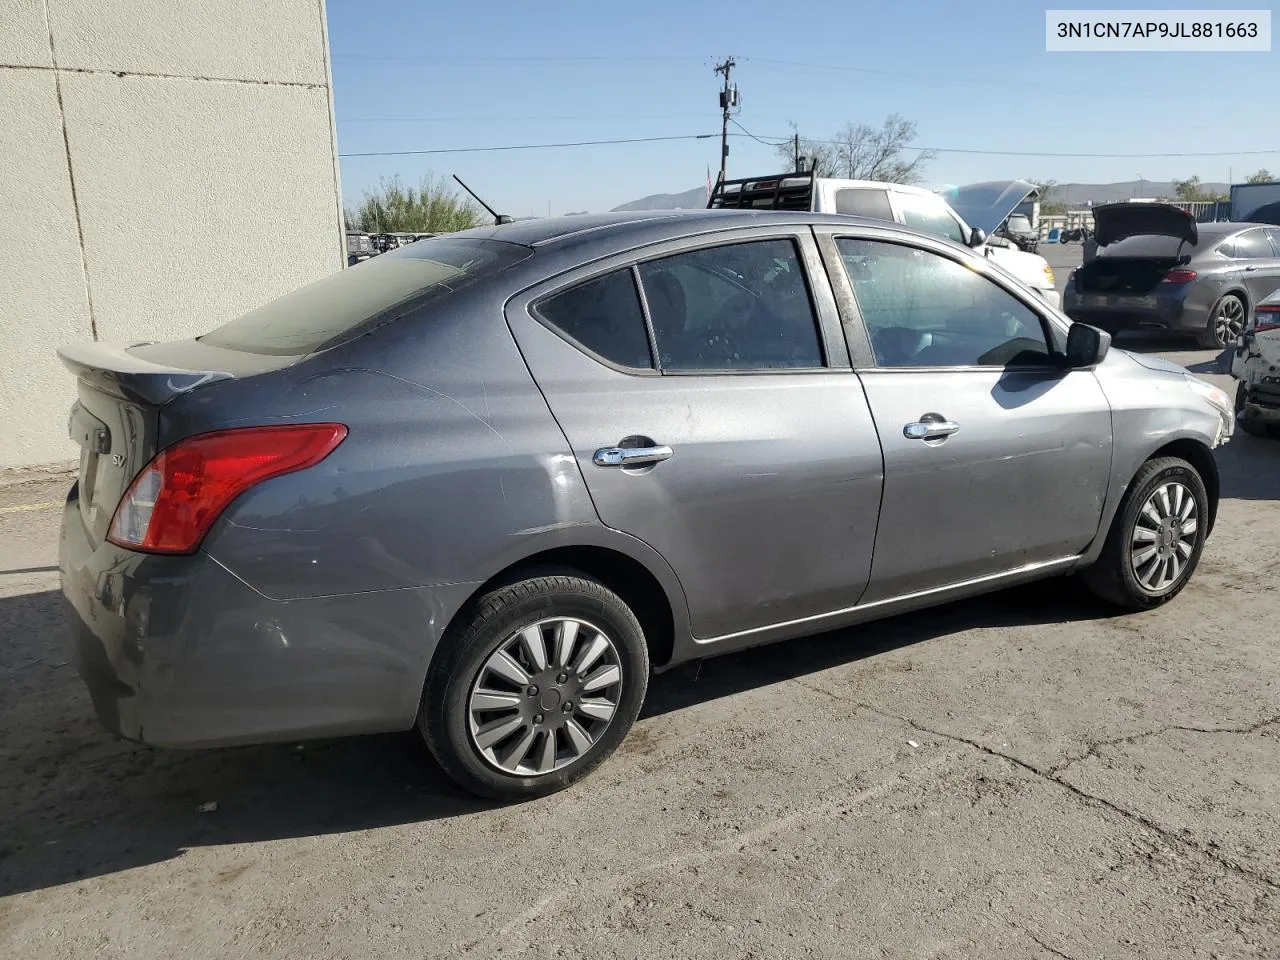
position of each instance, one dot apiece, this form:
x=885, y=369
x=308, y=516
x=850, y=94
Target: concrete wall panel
x=198, y=200
x=24, y=34
x=279, y=40
x=42, y=291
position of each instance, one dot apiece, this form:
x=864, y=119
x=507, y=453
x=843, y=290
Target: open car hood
x=1116, y=221
x=986, y=205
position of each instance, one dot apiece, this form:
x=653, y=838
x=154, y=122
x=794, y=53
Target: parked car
x=1255, y=363
x=485, y=483
x=1017, y=228
x=973, y=214
x=359, y=247
x=1156, y=268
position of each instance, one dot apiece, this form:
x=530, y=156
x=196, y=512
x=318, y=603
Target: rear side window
x=744, y=306
x=864, y=202
x=353, y=300
x=1252, y=245
x=1274, y=234
x=604, y=316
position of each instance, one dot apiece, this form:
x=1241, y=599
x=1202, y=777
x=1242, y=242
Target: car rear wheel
x=1156, y=538
x=535, y=686
x=1226, y=322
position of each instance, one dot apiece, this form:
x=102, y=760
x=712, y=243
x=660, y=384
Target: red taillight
x=1179, y=276
x=1266, y=318
x=171, y=504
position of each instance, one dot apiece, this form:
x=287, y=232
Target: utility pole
x=796, y=146
x=728, y=101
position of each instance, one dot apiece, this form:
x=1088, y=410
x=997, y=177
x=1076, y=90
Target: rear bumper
x=1160, y=315
x=177, y=651
x=1262, y=401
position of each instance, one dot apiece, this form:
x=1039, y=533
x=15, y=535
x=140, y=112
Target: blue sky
x=422, y=74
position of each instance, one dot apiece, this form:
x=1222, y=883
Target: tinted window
x=1274, y=234
x=603, y=315
x=929, y=215
x=864, y=203
x=1253, y=244
x=923, y=310
x=352, y=300
x=744, y=306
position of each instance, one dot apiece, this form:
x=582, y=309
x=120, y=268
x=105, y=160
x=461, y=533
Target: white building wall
x=167, y=165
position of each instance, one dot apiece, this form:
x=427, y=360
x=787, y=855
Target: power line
x=513, y=119
x=748, y=133
x=528, y=146
x=779, y=140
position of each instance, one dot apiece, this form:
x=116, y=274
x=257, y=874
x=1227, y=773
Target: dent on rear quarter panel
x=452, y=460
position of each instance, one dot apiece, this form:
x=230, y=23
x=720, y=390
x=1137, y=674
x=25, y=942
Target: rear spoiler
x=781, y=191
x=116, y=371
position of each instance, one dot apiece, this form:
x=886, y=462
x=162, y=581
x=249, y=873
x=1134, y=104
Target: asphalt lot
x=1024, y=775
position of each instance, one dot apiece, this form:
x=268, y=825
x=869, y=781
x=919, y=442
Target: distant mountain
x=1072, y=194
x=694, y=199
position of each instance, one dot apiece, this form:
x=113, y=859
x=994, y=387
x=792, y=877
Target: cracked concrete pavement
x=1025, y=775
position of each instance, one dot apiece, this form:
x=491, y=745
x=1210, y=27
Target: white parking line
x=31, y=507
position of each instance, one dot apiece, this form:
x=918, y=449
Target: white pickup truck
x=985, y=206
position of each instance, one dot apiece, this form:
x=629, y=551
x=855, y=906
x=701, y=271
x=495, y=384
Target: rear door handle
x=927, y=428
x=1250, y=268
x=630, y=456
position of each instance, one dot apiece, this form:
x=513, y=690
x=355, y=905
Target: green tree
x=862, y=152
x=431, y=207
x=1261, y=176
x=1048, y=206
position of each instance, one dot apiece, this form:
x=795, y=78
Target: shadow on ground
x=74, y=803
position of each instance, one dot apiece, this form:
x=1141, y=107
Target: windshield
x=381, y=289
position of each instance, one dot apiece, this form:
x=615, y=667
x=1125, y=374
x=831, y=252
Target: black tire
x=1256, y=428
x=1112, y=576
x=489, y=622
x=1208, y=337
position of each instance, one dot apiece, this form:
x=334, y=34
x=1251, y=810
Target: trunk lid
x=119, y=392
x=1117, y=221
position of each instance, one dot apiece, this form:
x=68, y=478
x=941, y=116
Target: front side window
x=743, y=306
x=930, y=215
x=604, y=316
x=925, y=310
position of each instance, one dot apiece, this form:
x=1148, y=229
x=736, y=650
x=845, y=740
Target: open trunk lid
x=119, y=392
x=1114, y=222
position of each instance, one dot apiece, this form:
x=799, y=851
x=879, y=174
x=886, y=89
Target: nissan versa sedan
x=1158, y=269
x=487, y=483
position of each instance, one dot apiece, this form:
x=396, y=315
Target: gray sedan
x=487, y=483
x=1158, y=269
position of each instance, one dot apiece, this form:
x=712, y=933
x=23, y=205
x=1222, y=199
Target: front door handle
x=1250, y=268
x=630, y=456
x=930, y=427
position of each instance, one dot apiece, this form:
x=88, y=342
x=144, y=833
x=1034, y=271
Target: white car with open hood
x=973, y=213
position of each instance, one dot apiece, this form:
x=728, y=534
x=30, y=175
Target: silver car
x=1156, y=268
x=486, y=484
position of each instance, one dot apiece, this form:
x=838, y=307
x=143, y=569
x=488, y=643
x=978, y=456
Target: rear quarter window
x=354, y=300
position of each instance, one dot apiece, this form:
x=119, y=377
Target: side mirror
x=977, y=237
x=503, y=218
x=1086, y=346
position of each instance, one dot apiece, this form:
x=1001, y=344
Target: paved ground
x=1022, y=776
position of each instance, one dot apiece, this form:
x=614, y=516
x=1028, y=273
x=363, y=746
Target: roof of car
x=551, y=230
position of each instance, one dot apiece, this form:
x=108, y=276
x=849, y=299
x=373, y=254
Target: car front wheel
x=1156, y=538
x=535, y=687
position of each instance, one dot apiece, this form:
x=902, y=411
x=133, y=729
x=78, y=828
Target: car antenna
x=498, y=218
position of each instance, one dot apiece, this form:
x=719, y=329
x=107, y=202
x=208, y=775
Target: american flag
x=709, y=188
